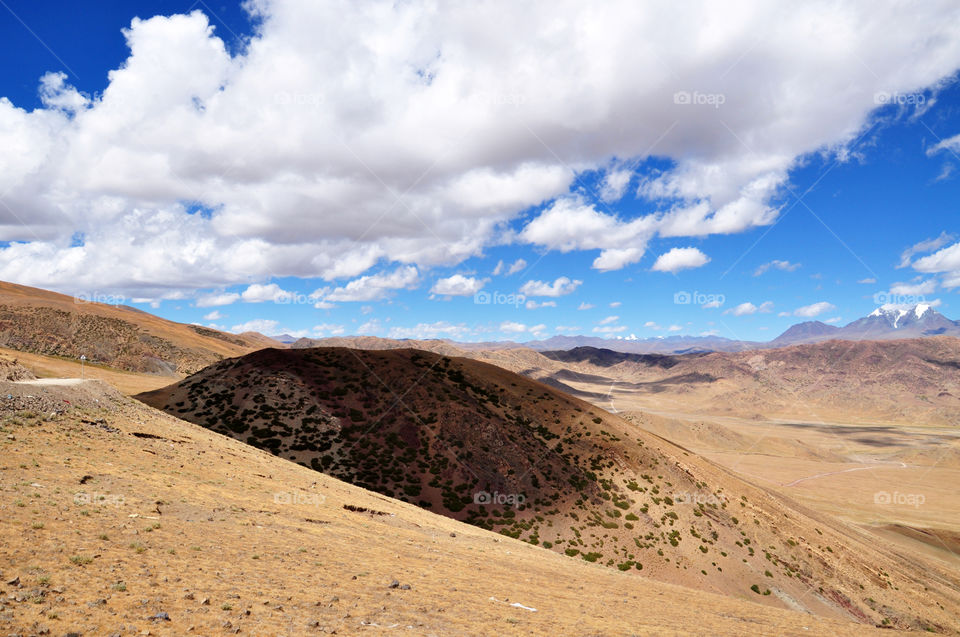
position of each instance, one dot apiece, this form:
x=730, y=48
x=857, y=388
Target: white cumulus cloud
x=745, y=309
x=458, y=285
x=951, y=144
x=680, y=259
x=814, y=309
x=216, y=299
x=259, y=293
x=560, y=287
x=516, y=266
x=513, y=327
x=535, y=305
x=438, y=329
x=777, y=264
x=264, y=326
x=375, y=286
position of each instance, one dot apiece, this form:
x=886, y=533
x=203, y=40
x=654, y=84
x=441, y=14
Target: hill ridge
x=52, y=324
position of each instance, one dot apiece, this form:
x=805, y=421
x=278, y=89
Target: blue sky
x=85, y=40
x=278, y=178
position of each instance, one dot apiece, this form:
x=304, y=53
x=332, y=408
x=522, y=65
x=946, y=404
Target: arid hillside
x=118, y=519
x=477, y=443
x=42, y=322
x=914, y=380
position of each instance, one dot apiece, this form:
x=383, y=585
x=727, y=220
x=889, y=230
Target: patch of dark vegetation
x=356, y=509
x=143, y=434
x=947, y=364
x=206, y=331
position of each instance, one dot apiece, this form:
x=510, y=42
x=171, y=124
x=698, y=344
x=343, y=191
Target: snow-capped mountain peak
x=893, y=313
x=888, y=321
x=899, y=315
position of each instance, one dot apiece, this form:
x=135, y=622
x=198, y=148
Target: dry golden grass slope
x=118, y=519
x=444, y=433
x=43, y=322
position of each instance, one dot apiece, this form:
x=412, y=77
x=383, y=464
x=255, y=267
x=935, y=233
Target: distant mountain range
x=43, y=322
x=654, y=345
x=884, y=323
